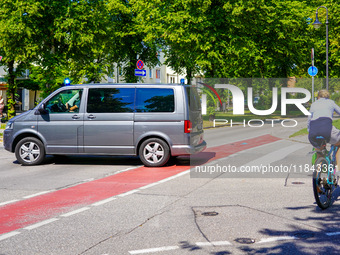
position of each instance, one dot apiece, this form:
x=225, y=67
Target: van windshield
x=194, y=99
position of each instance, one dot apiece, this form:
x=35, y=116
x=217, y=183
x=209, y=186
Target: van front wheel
x=30, y=151
x=154, y=152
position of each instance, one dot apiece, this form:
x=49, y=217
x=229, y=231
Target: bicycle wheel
x=322, y=190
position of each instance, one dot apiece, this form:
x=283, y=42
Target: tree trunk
x=12, y=89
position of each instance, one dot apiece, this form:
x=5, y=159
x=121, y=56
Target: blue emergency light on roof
x=67, y=81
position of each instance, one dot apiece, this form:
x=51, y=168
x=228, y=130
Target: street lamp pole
x=317, y=24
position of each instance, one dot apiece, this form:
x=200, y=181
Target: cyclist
x=320, y=122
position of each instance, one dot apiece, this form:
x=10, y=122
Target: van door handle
x=91, y=117
x=75, y=117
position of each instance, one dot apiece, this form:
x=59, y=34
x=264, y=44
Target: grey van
x=152, y=121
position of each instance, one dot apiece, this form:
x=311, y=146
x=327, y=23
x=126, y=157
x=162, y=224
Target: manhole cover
x=245, y=240
x=298, y=183
x=210, y=213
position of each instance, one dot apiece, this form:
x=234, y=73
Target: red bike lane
x=36, y=209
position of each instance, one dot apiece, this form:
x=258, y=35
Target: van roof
x=129, y=84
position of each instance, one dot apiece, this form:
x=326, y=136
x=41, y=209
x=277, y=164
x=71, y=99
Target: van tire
x=30, y=151
x=154, y=152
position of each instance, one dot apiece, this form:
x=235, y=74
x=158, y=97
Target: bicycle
x=324, y=180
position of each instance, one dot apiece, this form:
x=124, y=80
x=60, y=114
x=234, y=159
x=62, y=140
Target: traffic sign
x=140, y=64
x=0, y=58
x=140, y=72
x=312, y=71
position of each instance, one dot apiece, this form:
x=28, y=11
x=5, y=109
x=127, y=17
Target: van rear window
x=155, y=100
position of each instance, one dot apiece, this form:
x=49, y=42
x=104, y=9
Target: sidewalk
x=1, y=139
x=1, y=134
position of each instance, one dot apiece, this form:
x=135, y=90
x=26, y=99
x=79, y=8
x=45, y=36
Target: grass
x=2, y=126
x=300, y=132
x=336, y=123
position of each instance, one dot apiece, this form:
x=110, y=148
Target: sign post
x=312, y=71
x=139, y=72
x=312, y=57
x=140, y=64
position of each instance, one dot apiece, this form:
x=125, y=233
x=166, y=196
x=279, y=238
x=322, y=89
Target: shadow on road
x=194, y=160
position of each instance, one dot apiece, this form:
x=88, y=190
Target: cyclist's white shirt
x=323, y=107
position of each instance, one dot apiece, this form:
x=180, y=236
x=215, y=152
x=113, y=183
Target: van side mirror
x=41, y=109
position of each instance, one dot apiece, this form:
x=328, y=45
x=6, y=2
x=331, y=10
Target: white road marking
x=128, y=193
x=215, y=243
x=278, y=238
x=48, y=191
x=38, y=194
x=174, y=177
x=104, y=201
x=8, y=235
x=75, y=212
x=274, y=156
x=165, y=248
x=42, y=223
x=149, y=186
x=8, y=202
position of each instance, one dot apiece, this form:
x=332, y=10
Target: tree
x=15, y=44
x=232, y=38
x=89, y=35
x=176, y=26
x=130, y=37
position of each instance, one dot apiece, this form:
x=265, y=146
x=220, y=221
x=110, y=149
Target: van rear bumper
x=180, y=150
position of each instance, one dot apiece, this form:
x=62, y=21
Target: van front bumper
x=8, y=139
x=181, y=150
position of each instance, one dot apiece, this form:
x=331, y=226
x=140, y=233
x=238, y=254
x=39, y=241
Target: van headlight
x=9, y=125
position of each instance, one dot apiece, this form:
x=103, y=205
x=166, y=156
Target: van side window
x=65, y=101
x=155, y=100
x=109, y=100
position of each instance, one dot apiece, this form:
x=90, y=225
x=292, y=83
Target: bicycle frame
x=324, y=183
x=332, y=152
x=330, y=156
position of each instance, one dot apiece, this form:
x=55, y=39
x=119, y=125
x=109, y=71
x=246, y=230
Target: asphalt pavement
x=185, y=213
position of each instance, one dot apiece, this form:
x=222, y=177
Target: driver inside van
x=74, y=103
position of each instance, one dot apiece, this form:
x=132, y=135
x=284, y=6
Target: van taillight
x=187, y=126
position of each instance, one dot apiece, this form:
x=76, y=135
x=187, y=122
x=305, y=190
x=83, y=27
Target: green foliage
x=211, y=111
x=336, y=97
x=15, y=44
x=209, y=38
x=300, y=132
x=76, y=39
x=233, y=38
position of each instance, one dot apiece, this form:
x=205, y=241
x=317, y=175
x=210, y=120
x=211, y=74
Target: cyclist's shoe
x=318, y=189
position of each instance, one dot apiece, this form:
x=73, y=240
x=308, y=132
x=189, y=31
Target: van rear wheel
x=154, y=152
x=30, y=151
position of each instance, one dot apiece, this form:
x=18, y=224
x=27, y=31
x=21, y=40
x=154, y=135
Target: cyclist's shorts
x=321, y=127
